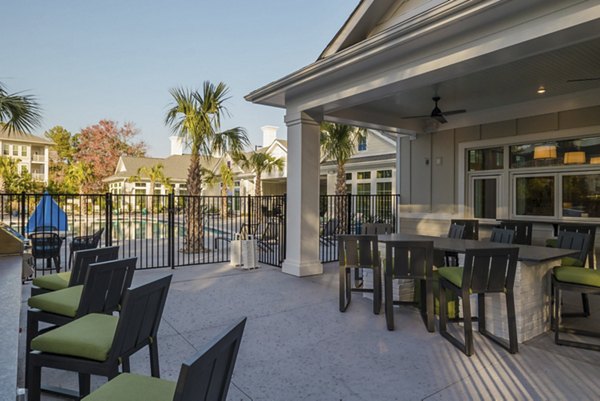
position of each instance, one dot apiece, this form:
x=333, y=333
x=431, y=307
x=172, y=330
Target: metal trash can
x=249, y=253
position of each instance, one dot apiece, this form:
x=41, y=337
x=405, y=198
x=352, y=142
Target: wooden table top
x=527, y=253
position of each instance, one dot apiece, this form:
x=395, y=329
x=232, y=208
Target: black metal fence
x=345, y=214
x=161, y=230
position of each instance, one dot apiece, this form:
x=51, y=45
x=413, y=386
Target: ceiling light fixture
x=577, y=157
x=544, y=152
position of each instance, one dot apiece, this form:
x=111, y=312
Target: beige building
x=31, y=151
x=496, y=104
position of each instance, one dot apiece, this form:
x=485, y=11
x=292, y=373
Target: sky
x=106, y=59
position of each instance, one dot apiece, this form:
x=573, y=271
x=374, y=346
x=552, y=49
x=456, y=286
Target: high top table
x=532, y=283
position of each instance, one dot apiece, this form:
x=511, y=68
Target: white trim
x=508, y=173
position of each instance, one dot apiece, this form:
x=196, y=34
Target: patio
x=298, y=346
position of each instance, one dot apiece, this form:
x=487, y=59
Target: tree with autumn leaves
x=81, y=161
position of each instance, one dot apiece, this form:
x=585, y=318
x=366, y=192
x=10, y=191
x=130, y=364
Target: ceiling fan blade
x=583, y=79
x=451, y=112
x=440, y=118
x=412, y=117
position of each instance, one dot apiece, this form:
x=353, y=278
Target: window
x=348, y=188
x=581, y=195
x=362, y=144
x=363, y=189
x=24, y=151
x=348, y=176
x=384, y=188
x=485, y=197
x=534, y=196
x=363, y=203
x=485, y=159
x=5, y=150
x=363, y=175
x=384, y=173
x=558, y=153
x=15, y=151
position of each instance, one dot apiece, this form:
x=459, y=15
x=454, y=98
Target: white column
x=302, y=253
x=46, y=163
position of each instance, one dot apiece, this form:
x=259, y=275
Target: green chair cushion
x=577, y=275
x=53, y=282
x=552, y=242
x=452, y=274
x=569, y=261
x=131, y=387
x=89, y=337
x=62, y=302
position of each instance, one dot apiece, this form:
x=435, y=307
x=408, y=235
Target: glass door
x=484, y=199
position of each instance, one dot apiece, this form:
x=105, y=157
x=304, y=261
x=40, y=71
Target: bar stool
x=441, y=258
x=502, y=235
x=471, y=227
x=359, y=252
x=578, y=279
x=409, y=260
x=486, y=271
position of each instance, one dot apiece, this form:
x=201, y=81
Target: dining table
x=532, y=282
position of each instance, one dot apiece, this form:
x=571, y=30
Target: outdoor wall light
x=544, y=152
x=541, y=90
x=577, y=157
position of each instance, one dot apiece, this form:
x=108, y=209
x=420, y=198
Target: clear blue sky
x=107, y=59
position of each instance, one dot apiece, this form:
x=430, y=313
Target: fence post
x=249, y=211
x=108, y=219
x=349, y=215
x=171, y=230
x=22, y=212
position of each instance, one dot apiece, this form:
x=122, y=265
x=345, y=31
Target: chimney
x=176, y=145
x=269, y=134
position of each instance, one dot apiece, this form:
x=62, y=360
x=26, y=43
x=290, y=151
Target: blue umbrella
x=47, y=213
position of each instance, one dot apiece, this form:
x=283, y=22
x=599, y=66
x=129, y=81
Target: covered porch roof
x=486, y=57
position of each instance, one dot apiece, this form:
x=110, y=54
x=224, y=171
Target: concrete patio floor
x=298, y=346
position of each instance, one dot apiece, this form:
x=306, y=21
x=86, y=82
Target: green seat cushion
x=577, y=275
x=53, y=282
x=569, y=261
x=552, y=242
x=131, y=387
x=62, y=302
x=89, y=337
x=452, y=274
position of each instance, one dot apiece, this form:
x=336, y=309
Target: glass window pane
x=484, y=198
x=581, y=195
x=485, y=159
x=362, y=144
x=384, y=173
x=363, y=189
x=384, y=188
x=363, y=175
x=348, y=176
x=535, y=196
x=559, y=153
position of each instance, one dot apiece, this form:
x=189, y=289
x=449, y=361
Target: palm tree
x=339, y=143
x=196, y=116
x=156, y=174
x=226, y=179
x=8, y=169
x=77, y=176
x=18, y=112
x=259, y=163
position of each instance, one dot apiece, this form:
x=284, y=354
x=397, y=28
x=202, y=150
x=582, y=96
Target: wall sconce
x=544, y=152
x=577, y=157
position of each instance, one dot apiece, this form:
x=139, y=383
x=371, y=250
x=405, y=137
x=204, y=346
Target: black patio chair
x=46, y=245
x=502, y=235
x=523, y=230
x=578, y=241
x=113, y=341
x=575, y=278
x=471, y=227
x=101, y=292
x=82, y=259
x=359, y=252
x=448, y=258
x=409, y=260
x=589, y=229
x=330, y=232
x=486, y=271
x=206, y=377
x=84, y=242
x=376, y=228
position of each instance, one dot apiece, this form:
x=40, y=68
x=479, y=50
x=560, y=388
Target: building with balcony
x=29, y=150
